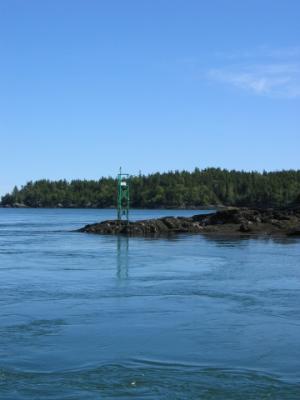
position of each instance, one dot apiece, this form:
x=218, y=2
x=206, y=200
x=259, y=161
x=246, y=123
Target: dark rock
x=245, y=227
x=294, y=231
x=231, y=221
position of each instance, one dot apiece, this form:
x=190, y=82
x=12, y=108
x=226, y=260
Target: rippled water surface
x=102, y=317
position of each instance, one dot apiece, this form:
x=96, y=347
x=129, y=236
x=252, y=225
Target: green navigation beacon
x=123, y=196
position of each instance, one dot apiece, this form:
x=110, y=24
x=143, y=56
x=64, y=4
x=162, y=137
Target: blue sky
x=89, y=85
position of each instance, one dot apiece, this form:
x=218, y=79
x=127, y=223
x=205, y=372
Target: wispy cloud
x=261, y=52
x=275, y=78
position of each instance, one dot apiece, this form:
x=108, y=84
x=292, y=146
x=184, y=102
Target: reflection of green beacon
x=123, y=196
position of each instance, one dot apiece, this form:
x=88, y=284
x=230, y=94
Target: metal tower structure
x=123, y=196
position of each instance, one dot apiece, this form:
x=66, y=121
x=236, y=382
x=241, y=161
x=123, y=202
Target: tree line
x=210, y=186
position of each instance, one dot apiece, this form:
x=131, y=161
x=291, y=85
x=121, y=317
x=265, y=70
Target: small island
x=232, y=221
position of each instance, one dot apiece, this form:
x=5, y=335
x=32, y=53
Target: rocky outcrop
x=242, y=221
x=19, y=205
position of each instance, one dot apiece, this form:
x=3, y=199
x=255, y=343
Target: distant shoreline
x=210, y=207
x=208, y=188
x=190, y=208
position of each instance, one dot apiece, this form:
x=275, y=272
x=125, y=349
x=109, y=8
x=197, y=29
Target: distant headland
x=210, y=187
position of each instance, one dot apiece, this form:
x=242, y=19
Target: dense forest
x=211, y=186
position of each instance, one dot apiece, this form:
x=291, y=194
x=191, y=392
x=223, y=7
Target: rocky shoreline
x=237, y=221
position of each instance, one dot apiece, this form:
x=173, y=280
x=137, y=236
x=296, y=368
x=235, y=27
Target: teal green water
x=103, y=317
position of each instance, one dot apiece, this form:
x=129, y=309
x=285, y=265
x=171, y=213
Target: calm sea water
x=101, y=317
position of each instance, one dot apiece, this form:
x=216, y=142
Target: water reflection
x=122, y=257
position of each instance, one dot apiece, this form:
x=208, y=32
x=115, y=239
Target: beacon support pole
x=123, y=196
